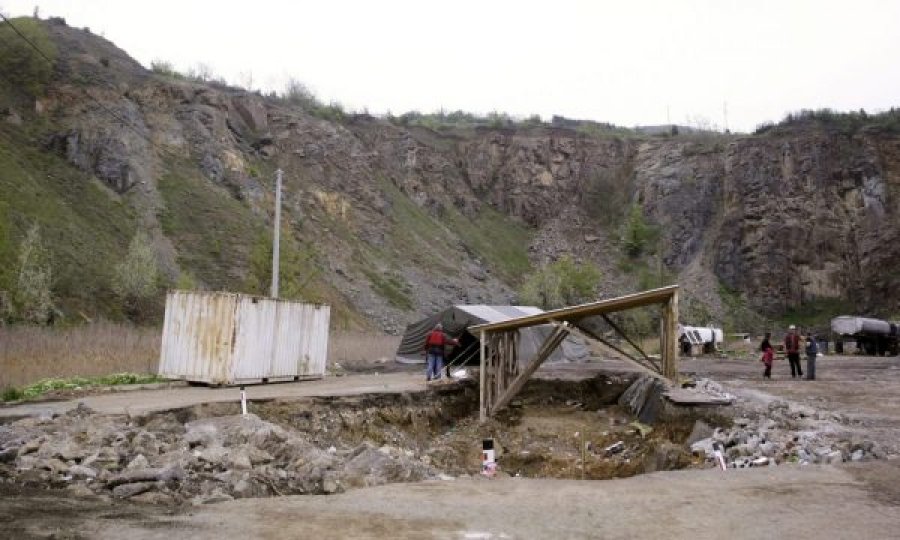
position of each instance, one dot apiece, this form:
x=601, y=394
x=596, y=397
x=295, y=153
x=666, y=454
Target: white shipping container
x=227, y=338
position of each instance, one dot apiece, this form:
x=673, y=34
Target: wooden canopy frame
x=502, y=377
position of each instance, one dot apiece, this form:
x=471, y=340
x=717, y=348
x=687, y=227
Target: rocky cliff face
x=813, y=215
x=403, y=220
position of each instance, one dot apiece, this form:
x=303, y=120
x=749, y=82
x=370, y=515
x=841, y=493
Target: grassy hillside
x=85, y=226
x=213, y=232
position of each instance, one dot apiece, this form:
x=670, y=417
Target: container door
x=254, y=339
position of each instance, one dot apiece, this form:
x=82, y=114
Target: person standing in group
x=792, y=348
x=768, y=355
x=434, y=352
x=812, y=351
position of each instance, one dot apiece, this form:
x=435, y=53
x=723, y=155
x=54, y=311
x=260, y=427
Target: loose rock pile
x=784, y=433
x=160, y=459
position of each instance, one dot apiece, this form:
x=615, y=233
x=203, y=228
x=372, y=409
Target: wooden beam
x=549, y=345
x=569, y=314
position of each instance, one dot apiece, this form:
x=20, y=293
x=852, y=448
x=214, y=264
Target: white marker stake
x=720, y=458
x=243, y=402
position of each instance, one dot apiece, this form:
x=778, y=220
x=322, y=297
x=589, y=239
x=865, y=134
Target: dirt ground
x=815, y=501
x=822, y=502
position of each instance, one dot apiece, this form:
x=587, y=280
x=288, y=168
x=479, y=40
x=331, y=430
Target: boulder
x=666, y=457
x=166, y=474
x=644, y=398
x=125, y=491
x=214, y=496
x=105, y=458
x=238, y=458
x=9, y=454
x=53, y=465
x=139, y=462
x=80, y=471
x=703, y=447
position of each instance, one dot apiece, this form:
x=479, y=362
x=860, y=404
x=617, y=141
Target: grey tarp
x=457, y=319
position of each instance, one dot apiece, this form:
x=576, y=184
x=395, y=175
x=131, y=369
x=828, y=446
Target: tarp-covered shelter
x=457, y=319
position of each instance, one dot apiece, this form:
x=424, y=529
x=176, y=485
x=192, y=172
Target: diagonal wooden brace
x=629, y=340
x=550, y=344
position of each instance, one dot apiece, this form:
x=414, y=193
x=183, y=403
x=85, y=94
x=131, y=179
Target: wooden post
x=550, y=344
x=482, y=374
x=668, y=339
x=671, y=371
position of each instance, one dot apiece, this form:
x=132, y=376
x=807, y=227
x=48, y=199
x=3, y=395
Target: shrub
x=637, y=235
x=560, y=283
x=22, y=65
x=162, y=67
x=297, y=93
x=847, y=122
x=33, y=295
x=136, y=278
x=11, y=394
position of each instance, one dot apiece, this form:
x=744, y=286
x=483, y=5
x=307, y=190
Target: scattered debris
x=614, y=448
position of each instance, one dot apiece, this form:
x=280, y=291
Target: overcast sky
x=630, y=63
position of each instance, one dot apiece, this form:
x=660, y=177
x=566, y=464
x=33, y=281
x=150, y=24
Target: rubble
x=202, y=461
x=776, y=435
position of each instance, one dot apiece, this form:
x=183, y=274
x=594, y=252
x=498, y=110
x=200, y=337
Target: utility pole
x=725, y=114
x=276, y=240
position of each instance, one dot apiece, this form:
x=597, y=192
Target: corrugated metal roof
x=492, y=314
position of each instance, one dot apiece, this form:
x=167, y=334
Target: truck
x=871, y=336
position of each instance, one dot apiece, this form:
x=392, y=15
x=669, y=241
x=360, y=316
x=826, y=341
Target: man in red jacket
x=792, y=348
x=434, y=352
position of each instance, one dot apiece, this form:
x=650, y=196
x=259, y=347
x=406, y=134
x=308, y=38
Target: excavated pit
x=210, y=453
x=540, y=435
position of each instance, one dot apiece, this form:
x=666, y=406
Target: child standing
x=768, y=355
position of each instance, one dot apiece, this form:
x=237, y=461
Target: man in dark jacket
x=812, y=351
x=434, y=352
x=792, y=348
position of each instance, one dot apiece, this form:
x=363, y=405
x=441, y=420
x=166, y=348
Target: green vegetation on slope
x=392, y=288
x=498, y=240
x=213, y=232
x=816, y=313
x=417, y=236
x=846, y=122
x=84, y=226
x=20, y=64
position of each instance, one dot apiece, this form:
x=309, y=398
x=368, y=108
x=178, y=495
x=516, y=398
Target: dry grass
x=360, y=349
x=28, y=354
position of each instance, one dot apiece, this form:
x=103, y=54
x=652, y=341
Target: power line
x=103, y=107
